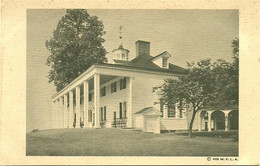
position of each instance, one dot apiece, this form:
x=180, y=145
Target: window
x=161, y=107
x=113, y=87
x=123, y=83
x=164, y=62
x=105, y=113
x=120, y=110
x=101, y=114
x=103, y=91
x=81, y=100
x=90, y=96
x=171, y=112
x=125, y=111
x=123, y=56
x=89, y=115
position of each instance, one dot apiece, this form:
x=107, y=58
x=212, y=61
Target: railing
x=119, y=122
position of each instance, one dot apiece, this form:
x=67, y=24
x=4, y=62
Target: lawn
x=125, y=142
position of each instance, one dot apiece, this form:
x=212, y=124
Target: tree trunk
x=191, y=122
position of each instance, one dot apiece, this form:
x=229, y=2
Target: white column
x=85, y=109
x=165, y=111
x=77, y=107
x=70, y=109
x=61, y=112
x=130, y=100
x=226, y=120
x=65, y=111
x=199, y=121
x=96, y=99
x=209, y=120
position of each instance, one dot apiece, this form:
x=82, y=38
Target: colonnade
x=209, y=120
x=63, y=112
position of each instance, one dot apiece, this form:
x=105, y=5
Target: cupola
x=120, y=53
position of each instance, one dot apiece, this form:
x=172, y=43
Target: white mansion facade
x=119, y=94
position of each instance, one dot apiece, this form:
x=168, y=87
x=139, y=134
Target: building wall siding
x=174, y=124
x=142, y=91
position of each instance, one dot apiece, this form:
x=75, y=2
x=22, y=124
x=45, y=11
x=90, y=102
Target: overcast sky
x=188, y=35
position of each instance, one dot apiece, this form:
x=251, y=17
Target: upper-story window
x=103, y=91
x=90, y=96
x=113, y=87
x=164, y=62
x=123, y=83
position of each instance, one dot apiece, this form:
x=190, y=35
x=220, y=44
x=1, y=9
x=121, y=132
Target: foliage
x=207, y=84
x=76, y=45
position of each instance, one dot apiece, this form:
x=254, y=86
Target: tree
x=206, y=85
x=76, y=45
x=193, y=89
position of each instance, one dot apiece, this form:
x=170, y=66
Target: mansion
x=119, y=94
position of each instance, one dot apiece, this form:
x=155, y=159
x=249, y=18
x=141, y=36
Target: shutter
x=105, y=113
x=115, y=86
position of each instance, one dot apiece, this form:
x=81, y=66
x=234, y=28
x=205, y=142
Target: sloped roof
x=165, y=52
x=121, y=48
x=121, y=61
x=149, y=110
x=177, y=69
x=144, y=62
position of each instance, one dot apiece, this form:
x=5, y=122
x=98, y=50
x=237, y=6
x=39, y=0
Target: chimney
x=142, y=47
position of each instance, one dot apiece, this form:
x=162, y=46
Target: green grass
x=124, y=142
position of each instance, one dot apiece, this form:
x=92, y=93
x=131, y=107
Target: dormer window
x=164, y=62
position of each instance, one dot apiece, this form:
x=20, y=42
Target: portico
x=79, y=103
x=209, y=120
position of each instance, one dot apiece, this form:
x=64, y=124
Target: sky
x=188, y=35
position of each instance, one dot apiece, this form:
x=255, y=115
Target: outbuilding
x=148, y=120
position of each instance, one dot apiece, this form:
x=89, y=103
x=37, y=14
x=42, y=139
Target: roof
x=177, y=69
x=140, y=68
x=121, y=61
x=229, y=107
x=144, y=62
x=121, y=48
x=149, y=111
x=165, y=52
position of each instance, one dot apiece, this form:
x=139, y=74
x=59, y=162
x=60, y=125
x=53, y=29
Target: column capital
x=226, y=112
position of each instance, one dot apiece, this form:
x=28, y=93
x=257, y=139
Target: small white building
x=109, y=95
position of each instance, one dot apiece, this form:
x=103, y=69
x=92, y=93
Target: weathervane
x=120, y=31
